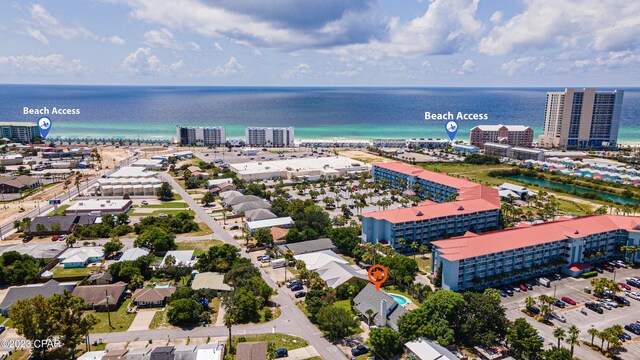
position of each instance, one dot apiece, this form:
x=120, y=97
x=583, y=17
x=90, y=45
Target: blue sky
x=322, y=43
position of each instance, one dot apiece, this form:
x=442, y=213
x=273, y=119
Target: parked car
x=300, y=294
x=282, y=352
x=516, y=289
x=621, y=300
x=610, y=302
x=360, y=350
x=55, y=238
x=558, y=317
x=621, y=264
x=534, y=310
x=234, y=227
x=529, y=286
x=557, y=277
x=633, y=328
x=624, y=286
x=502, y=293
x=508, y=291
x=605, y=305
x=568, y=300
x=27, y=238
x=634, y=295
x=145, y=202
x=297, y=287
x=560, y=303
x=522, y=287
x=2, y=329
x=626, y=336
x=598, y=269
x=594, y=307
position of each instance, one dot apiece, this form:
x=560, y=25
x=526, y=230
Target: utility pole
x=106, y=296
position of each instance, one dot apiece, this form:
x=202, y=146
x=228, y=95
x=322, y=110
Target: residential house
x=386, y=311
x=210, y=281
x=162, y=353
x=100, y=278
x=139, y=354
x=101, y=297
x=180, y=257
x=152, y=297
x=336, y=274
x=47, y=290
x=185, y=352
x=309, y=246
x=283, y=222
x=17, y=184
x=211, y=352
x=93, y=355
x=318, y=259
x=259, y=214
x=118, y=354
x=251, y=351
x=133, y=254
x=425, y=349
x=81, y=257
x=60, y=224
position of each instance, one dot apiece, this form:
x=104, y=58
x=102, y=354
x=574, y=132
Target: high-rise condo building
x=514, y=135
x=24, y=132
x=202, y=136
x=269, y=137
x=582, y=119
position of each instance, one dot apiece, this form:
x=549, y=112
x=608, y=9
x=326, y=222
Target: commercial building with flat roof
x=582, y=119
x=465, y=149
x=302, y=168
x=514, y=135
x=201, y=135
x=513, y=152
x=389, y=143
x=334, y=143
x=476, y=207
x=282, y=222
x=24, y=132
x=526, y=251
x=428, y=143
x=98, y=206
x=269, y=137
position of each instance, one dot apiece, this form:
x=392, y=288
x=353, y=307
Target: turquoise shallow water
x=120, y=111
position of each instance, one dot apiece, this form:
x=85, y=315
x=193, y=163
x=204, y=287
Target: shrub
x=589, y=274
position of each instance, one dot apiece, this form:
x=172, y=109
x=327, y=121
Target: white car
x=611, y=302
x=558, y=317
x=634, y=295
x=605, y=305
x=621, y=263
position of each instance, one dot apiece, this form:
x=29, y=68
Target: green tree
x=263, y=237
x=271, y=350
x=32, y=319
x=218, y=258
x=345, y=238
x=559, y=334
x=385, y=342
x=523, y=340
x=122, y=219
x=40, y=228
x=336, y=322
x=164, y=192
x=244, y=305
x=17, y=269
x=184, y=312
x=557, y=353
x=70, y=322
x=482, y=320
x=112, y=247
x=369, y=313
x=574, y=338
x=208, y=198
x=156, y=239
x=593, y=332
x=137, y=281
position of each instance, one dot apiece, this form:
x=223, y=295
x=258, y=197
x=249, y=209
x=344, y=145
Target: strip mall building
x=474, y=207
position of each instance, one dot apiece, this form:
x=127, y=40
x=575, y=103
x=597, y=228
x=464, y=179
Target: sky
x=395, y=43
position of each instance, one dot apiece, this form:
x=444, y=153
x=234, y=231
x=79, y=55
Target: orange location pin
x=378, y=275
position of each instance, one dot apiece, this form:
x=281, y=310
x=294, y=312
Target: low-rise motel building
x=477, y=261
x=451, y=206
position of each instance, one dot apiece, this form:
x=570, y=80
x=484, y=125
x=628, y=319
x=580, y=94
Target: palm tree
x=593, y=332
x=545, y=310
x=401, y=242
x=559, y=334
x=228, y=321
x=369, y=314
x=529, y=301
x=414, y=247
x=574, y=338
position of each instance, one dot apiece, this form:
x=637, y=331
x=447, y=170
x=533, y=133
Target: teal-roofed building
x=24, y=132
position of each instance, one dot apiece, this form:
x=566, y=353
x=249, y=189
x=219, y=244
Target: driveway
x=142, y=320
x=303, y=353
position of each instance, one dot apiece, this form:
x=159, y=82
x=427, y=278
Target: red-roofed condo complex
x=506, y=256
x=456, y=206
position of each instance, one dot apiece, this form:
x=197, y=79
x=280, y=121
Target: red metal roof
x=464, y=247
x=472, y=197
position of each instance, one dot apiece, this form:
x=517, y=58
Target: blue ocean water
x=146, y=112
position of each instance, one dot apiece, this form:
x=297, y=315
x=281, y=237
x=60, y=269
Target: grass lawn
x=280, y=340
x=394, y=290
x=275, y=313
x=477, y=173
x=166, y=205
x=158, y=212
x=60, y=272
x=424, y=264
x=61, y=210
x=204, y=230
x=159, y=320
x=176, y=197
x=346, y=304
x=351, y=260
x=198, y=245
x=120, y=319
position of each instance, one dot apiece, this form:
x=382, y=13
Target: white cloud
x=350, y=71
x=47, y=23
x=601, y=25
x=37, y=34
x=229, y=69
x=297, y=72
x=162, y=37
x=467, y=67
x=52, y=64
x=496, y=17
x=512, y=67
x=218, y=46
x=613, y=59
x=194, y=46
x=143, y=62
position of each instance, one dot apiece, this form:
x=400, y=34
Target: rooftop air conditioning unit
x=419, y=213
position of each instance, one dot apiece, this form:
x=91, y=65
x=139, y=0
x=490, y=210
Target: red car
x=568, y=300
x=523, y=287
x=55, y=238
x=624, y=286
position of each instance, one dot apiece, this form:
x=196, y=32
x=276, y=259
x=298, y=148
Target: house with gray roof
x=162, y=353
x=17, y=184
x=185, y=352
x=139, y=354
x=336, y=274
x=425, y=349
x=250, y=205
x=16, y=293
x=63, y=223
x=308, y=246
x=386, y=311
x=251, y=351
x=241, y=199
x=259, y=214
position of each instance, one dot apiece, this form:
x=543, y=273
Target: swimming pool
x=401, y=300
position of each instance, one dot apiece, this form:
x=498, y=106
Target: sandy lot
x=363, y=156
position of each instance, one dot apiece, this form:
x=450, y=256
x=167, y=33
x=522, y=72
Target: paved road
x=291, y=321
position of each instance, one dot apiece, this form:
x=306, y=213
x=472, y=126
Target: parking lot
x=574, y=289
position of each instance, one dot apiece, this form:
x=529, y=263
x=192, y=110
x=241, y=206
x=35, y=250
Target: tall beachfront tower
x=582, y=119
x=201, y=136
x=269, y=137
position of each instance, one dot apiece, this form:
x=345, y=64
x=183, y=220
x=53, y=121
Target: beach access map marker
x=378, y=275
x=452, y=129
x=44, y=123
